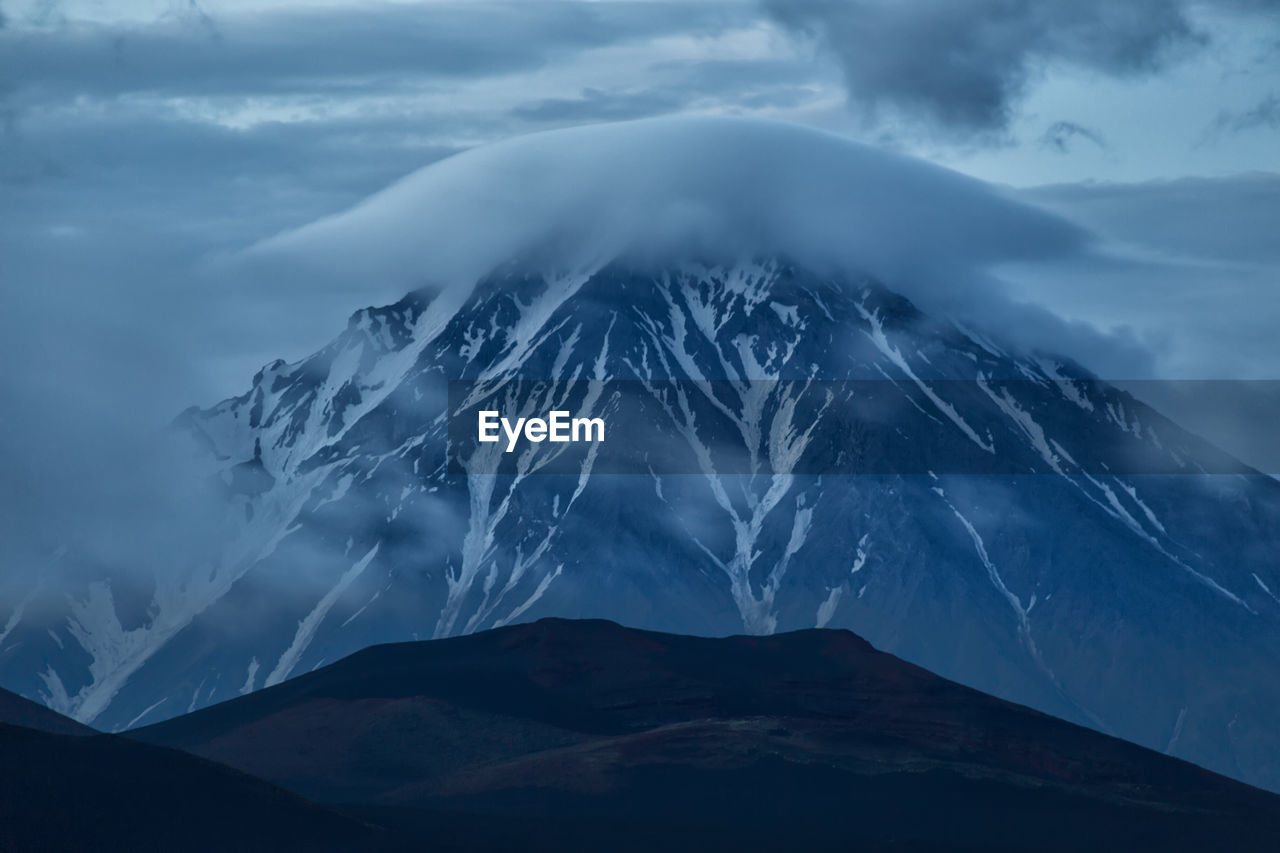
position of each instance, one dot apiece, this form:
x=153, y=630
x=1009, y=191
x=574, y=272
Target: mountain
x=999, y=539
x=62, y=792
x=17, y=710
x=586, y=735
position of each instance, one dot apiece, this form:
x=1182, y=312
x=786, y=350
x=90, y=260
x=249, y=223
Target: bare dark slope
x=105, y=793
x=20, y=711
x=583, y=734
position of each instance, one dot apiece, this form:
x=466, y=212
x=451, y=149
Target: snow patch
x=311, y=623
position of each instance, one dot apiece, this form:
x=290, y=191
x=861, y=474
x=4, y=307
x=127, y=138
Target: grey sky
x=138, y=137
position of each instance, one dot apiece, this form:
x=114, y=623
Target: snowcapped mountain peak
x=961, y=503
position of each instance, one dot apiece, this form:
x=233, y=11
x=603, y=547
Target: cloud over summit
x=679, y=185
x=699, y=188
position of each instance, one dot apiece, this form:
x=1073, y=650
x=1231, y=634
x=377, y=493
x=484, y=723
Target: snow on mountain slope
x=1137, y=604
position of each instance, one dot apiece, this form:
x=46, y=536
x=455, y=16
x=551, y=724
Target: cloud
x=964, y=66
x=599, y=105
x=193, y=11
x=1265, y=115
x=707, y=188
x=93, y=335
x=1058, y=136
x=674, y=86
x=377, y=49
x=1189, y=269
x=1227, y=221
x=690, y=185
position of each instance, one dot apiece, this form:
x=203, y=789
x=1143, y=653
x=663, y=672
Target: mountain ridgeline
x=1136, y=604
x=584, y=735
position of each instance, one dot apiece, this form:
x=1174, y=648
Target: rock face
x=584, y=735
x=1141, y=605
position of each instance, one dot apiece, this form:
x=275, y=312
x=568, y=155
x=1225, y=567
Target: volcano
x=991, y=530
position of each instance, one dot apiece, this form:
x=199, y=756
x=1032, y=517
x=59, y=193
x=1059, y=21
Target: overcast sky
x=138, y=136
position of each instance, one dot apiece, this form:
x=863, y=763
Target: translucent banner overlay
x=820, y=427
